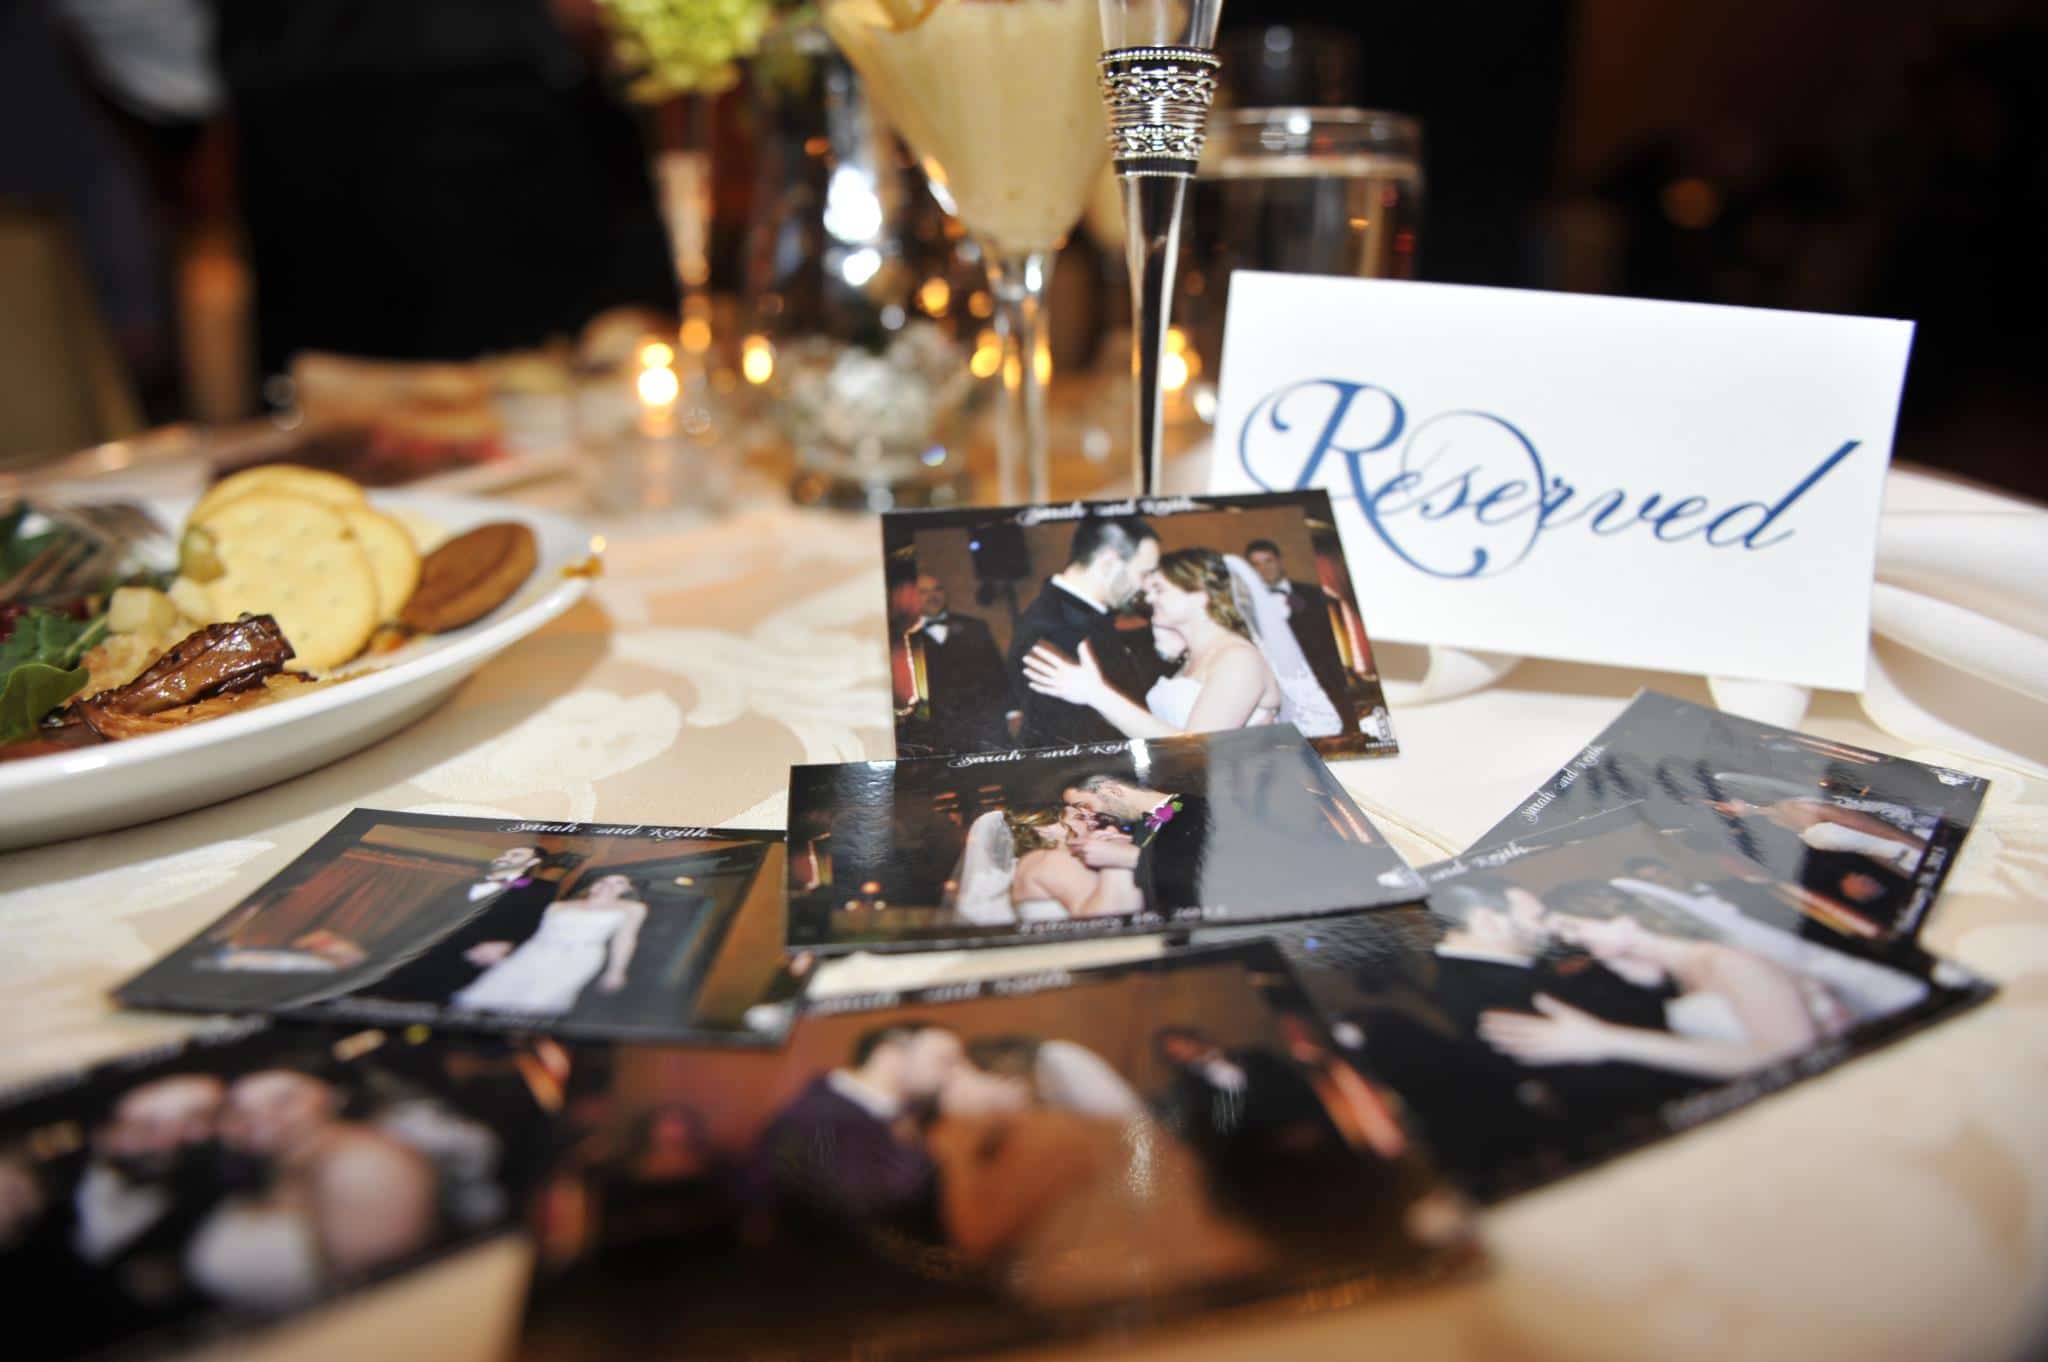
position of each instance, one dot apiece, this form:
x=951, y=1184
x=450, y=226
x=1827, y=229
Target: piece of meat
x=214, y=660
x=212, y=671
x=117, y=726
x=64, y=736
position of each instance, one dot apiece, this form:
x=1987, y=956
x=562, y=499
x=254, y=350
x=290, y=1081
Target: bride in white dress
x=1241, y=664
x=1019, y=866
x=1733, y=1012
x=579, y=940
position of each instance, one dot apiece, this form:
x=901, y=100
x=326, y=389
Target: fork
x=128, y=527
x=103, y=536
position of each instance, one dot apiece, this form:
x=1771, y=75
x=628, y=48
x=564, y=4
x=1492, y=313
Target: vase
x=855, y=300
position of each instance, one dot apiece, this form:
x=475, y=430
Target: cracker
x=283, y=479
x=394, y=562
x=471, y=575
x=295, y=560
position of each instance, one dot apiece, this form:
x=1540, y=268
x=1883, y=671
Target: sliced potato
x=394, y=562
x=282, y=479
x=140, y=609
x=193, y=600
x=295, y=559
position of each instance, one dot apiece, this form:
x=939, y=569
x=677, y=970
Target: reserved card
x=1847, y=844
x=1674, y=486
x=634, y=931
x=1000, y=847
x=980, y=1165
x=1043, y=626
x=1555, y=1005
x=234, y=1179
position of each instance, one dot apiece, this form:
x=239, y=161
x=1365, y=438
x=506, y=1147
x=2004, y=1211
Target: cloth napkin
x=1958, y=621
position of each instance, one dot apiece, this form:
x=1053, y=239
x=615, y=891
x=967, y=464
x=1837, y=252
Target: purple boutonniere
x=1162, y=815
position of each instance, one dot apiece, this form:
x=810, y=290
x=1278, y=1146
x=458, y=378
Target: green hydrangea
x=677, y=47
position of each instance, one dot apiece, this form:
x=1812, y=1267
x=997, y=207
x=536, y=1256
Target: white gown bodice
x=552, y=967
x=1039, y=910
x=1172, y=699
x=1705, y=1016
x=1866, y=988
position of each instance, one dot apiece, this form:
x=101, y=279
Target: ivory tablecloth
x=1896, y=1208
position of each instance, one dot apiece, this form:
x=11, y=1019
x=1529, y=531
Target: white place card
x=1667, y=485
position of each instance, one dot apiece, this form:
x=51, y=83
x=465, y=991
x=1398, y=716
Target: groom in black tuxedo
x=1107, y=561
x=498, y=910
x=1168, y=837
x=964, y=684
x=1308, y=617
x=1487, y=1113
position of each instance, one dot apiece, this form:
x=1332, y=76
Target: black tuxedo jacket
x=440, y=971
x=1600, y=1093
x=1058, y=618
x=1781, y=852
x=1276, y=1100
x=1496, y=1122
x=1172, y=860
x=1309, y=618
x=968, y=689
x=1271, y=1148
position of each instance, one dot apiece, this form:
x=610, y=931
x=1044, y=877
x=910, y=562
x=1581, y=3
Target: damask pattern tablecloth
x=1896, y=1208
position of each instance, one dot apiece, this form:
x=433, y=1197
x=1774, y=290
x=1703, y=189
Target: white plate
x=114, y=785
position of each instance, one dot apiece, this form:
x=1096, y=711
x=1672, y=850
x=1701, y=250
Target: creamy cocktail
x=998, y=100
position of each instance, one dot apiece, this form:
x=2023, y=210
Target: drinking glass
x=997, y=99
x=1300, y=191
x=1158, y=81
x=848, y=288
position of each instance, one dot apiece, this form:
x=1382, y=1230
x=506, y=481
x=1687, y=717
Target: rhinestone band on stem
x=1158, y=100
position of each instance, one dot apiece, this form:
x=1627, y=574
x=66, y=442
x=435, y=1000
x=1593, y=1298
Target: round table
x=1894, y=1208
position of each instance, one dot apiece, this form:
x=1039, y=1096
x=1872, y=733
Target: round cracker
x=394, y=562
x=283, y=479
x=471, y=575
x=295, y=560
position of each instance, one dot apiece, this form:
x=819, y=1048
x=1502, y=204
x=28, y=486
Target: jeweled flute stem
x=1023, y=455
x=1152, y=212
x=1158, y=101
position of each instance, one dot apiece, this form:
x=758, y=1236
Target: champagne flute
x=1158, y=81
x=996, y=99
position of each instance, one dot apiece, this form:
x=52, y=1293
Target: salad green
x=39, y=667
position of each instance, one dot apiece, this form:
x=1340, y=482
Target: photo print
x=1089, y=622
x=1857, y=841
x=245, y=1175
x=572, y=928
x=1553, y=1006
x=982, y=1164
x=1243, y=825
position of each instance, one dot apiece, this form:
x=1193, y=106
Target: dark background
x=443, y=178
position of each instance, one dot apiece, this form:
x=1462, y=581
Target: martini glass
x=1158, y=81
x=997, y=99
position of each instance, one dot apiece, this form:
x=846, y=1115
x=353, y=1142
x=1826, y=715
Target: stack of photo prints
x=1110, y=719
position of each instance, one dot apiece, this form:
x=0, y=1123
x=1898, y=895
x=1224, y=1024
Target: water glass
x=1298, y=191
